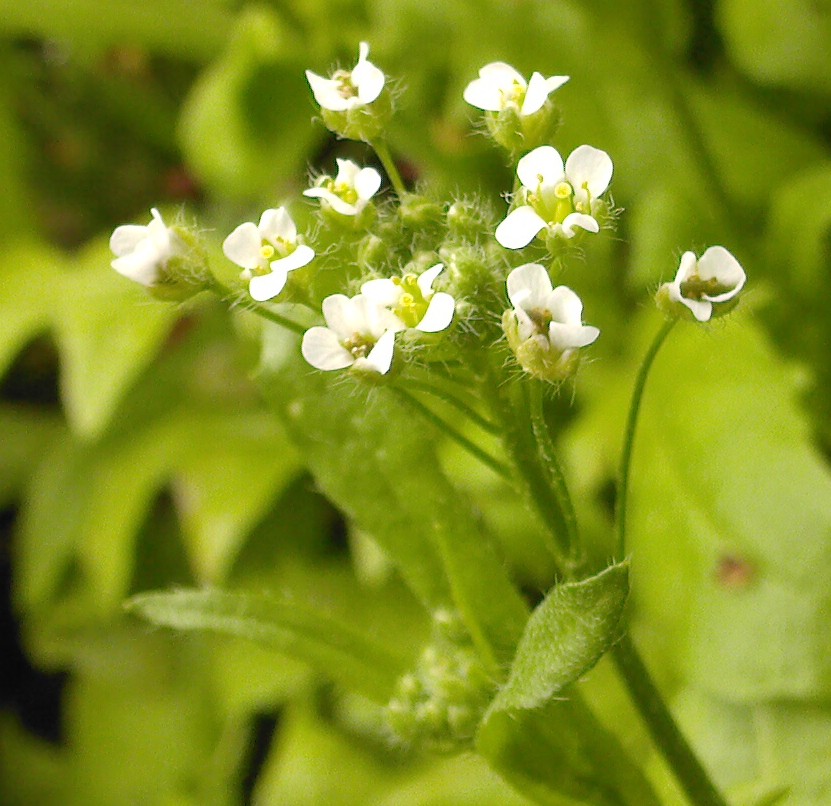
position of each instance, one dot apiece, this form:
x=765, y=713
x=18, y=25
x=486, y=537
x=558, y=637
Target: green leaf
x=565, y=637
x=551, y=747
x=731, y=512
x=334, y=648
x=246, y=125
x=377, y=462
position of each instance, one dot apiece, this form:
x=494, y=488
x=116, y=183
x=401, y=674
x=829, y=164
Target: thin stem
x=461, y=439
x=662, y=726
x=551, y=463
x=622, y=500
x=232, y=298
x=383, y=152
x=447, y=397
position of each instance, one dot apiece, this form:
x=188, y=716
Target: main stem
x=662, y=727
x=622, y=498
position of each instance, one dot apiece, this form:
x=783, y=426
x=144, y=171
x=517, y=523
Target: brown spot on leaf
x=735, y=572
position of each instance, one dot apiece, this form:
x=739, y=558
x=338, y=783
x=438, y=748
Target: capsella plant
x=463, y=308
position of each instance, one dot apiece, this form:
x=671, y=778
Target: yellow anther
x=267, y=251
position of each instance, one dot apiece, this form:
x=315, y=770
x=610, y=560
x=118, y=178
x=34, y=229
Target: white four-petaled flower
x=142, y=252
x=412, y=299
x=359, y=333
x=557, y=198
x=699, y=283
x=499, y=87
x=552, y=317
x=348, y=89
x=267, y=252
x=350, y=191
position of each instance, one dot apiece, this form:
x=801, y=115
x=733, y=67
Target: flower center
x=411, y=305
x=542, y=318
x=270, y=250
x=513, y=96
x=359, y=345
x=343, y=191
x=552, y=204
x=346, y=88
x=696, y=287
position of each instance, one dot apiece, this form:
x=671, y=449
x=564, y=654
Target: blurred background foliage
x=136, y=452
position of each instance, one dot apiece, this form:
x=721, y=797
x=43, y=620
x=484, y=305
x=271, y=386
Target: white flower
x=346, y=90
x=412, y=299
x=550, y=318
x=267, y=252
x=143, y=252
x=359, y=334
x=558, y=198
x=499, y=87
x=350, y=191
x=714, y=277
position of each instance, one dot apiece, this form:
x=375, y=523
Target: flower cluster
x=557, y=203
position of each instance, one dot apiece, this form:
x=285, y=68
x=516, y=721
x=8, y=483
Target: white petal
x=702, y=310
x=483, y=95
x=126, y=238
x=519, y=228
x=543, y=165
x=427, y=278
x=569, y=337
x=529, y=286
x=382, y=292
x=375, y=319
x=327, y=92
x=267, y=286
x=368, y=79
x=589, y=167
x=686, y=268
x=141, y=265
x=301, y=256
x=439, y=313
x=502, y=74
x=367, y=182
x=243, y=246
x=380, y=356
x=276, y=224
x=347, y=172
x=321, y=348
x=539, y=89
x=342, y=316
x=565, y=306
x=581, y=220
x=719, y=263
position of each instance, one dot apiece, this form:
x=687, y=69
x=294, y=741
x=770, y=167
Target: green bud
x=184, y=275
x=518, y=133
x=419, y=212
x=536, y=354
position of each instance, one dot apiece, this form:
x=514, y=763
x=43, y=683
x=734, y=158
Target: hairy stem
x=383, y=152
x=235, y=299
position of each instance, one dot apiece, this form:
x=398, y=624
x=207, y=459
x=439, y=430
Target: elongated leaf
x=376, y=461
x=334, y=648
x=537, y=733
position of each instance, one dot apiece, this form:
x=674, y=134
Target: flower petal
x=519, y=227
x=717, y=262
x=701, y=309
x=542, y=166
x=565, y=306
x=141, y=265
x=276, y=224
x=342, y=316
x=267, y=286
x=488, y=91
x=243, y=246
x=686, y=267
x=368, y=79
x=439, y=313
x=529, y=286
x=366, y=183
x=347, y=172
x=382, y=291
x=126, y=238
x=581, y=220
x=539, y=89
x=321, y=348
x=327, y=92
x=300, y=257
x=427, y=278
x=588, y=167
x=380, y=356
x=570, y=337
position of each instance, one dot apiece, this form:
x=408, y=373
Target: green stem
x=455, y=435
x=383, y=152
x=447, y=397
x=629, y=437
x=233, y=298
x=662, y=727
x=551, y=463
